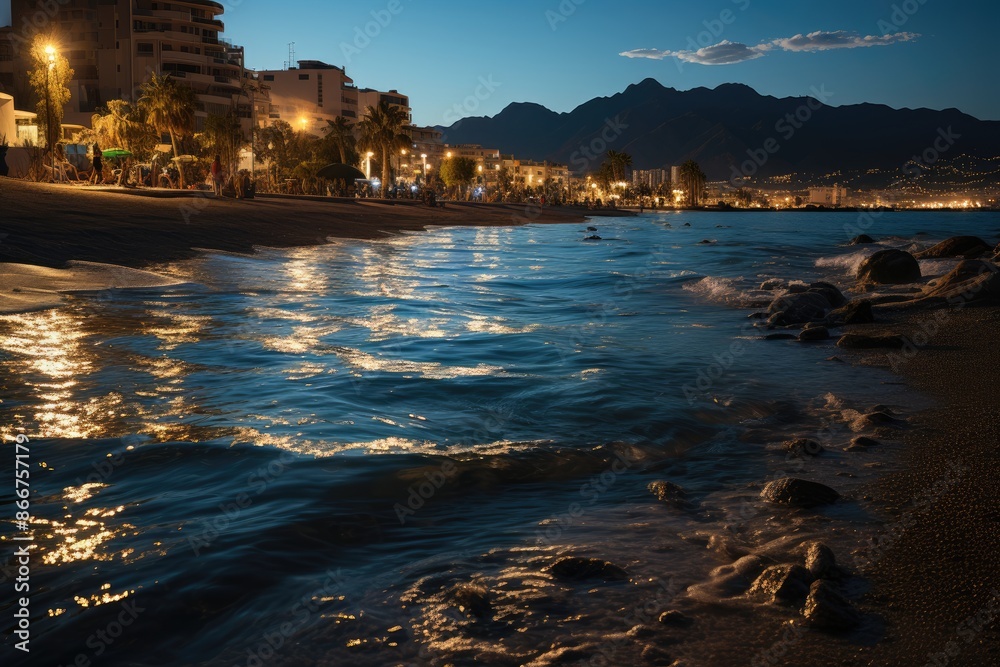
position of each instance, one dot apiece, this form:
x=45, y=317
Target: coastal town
x=161, y=92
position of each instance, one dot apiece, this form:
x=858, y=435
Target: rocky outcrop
x=826, y=608
x=820, y=560
x=806, y=304
x=969, y=247
x=855, y=312
x=582, y=569
x=786, y=583
x=889, y=267
x=669, y=493
x=971, y=281
x=814, y=334
x=799, y=493
x=862, y=239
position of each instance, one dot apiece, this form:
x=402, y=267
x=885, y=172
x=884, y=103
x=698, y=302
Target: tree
x=620, y=162
x=49, y=77
x=458, y=172
x=169, y=108
x=693, y=179
x=223, y=136
x=382, y=130
x=122, y=125
x=340, y=135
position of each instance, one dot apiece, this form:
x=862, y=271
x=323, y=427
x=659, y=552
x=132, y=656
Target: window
x=268, y=77
x=144, y=49
x=303, y=77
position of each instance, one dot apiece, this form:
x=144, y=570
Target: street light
x=368, y=165
x=50, y=53
x=424, y=157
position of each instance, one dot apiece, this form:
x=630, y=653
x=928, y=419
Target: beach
x=493, y=399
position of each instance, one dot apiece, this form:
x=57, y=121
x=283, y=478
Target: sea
x=374, y=452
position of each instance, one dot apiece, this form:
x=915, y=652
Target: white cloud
x=840, y=39
x=729, y=53
x=723, y=53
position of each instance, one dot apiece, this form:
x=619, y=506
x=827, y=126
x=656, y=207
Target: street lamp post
x=424, y=157
x=50, y=52
x=368, y=165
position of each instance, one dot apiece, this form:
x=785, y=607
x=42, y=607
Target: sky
x=457, y=59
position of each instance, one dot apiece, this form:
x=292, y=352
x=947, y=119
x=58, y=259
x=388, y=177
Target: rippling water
x=367, y=453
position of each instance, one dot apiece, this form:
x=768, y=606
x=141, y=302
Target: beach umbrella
x=340, y=171
x=115, y=153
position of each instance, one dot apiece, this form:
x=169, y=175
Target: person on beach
x=98, y=161
x=217, y=175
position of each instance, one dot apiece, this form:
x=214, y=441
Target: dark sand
x=47, y=224
x=936, y=581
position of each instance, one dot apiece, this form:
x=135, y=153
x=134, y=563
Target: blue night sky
x=561, y=53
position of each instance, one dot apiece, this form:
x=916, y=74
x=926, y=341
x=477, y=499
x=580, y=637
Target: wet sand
x=49, y=224
x=934, y=567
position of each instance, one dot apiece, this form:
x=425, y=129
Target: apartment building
x=308, y=96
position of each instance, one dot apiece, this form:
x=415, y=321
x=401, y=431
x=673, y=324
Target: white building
x=308, y=96
x=835, y=196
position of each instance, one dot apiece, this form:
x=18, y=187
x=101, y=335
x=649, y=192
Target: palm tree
x=169, y=108
x=620, y=162
x=382, y=130
x=341, y=133
x=694, y=181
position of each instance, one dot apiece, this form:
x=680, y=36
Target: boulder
x=862, y=239
x=782, y=584
x=862, y=441
x=854, y=312
x=889, y=267
x=860, y=342
x=831, y=292
x=772, y=284
x=676, y=619
x=813, y=334
x=968, y=247
x=472, y=600
x=804, y=447
x=669, y=493
x=798, y=309
x=971, y=281
x=826, y=608
x=820, y=560
x=582, y=569
x=798, y=492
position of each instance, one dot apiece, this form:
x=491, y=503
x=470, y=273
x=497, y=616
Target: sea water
x=370, y=452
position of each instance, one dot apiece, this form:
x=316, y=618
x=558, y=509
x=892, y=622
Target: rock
x=772, y=285
x=860, y=342
x=826, y=608
x=669, y=493
x=812, y=334
x=735, y=578
x=591, y=229
x=831, y=292
x=820, y=560
x=854, y=312
x=594, y=237
x=863, y=239
x=804, y=446
x=877, y=421
x=889, y=267
x=472, y=599
x=654, y=655
x=969, y=247
x=798, y=492
x=972, y=280
x=643, y=632
x=687, y=224
x=676, y=619
x=706, y=242
x=582, y=569
x=798, y=309
x=781, y=336
x=782, y=584
x=862, y=441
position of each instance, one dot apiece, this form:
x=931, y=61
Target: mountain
x=733, y=130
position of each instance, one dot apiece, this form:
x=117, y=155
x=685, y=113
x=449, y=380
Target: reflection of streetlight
x=368, y=165
x=50, y=52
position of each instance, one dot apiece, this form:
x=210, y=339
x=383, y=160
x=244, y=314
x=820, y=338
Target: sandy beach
x=47, y=225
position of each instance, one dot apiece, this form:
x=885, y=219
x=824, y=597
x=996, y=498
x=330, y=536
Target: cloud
x=840, y=39
x=730, y=53
x=723, y=53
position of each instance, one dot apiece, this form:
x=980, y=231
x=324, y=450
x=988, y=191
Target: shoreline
x=49, y=224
